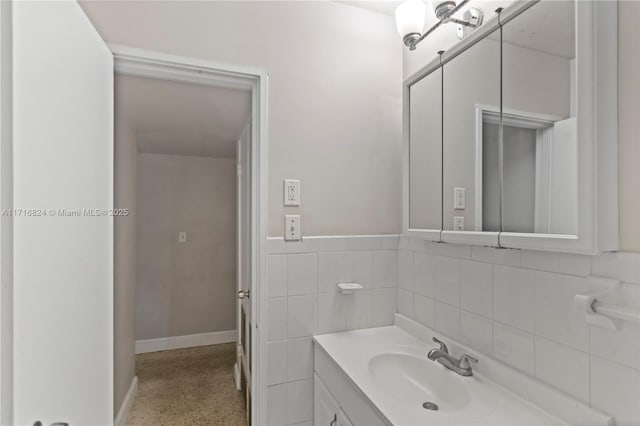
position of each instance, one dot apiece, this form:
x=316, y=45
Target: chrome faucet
x=462, y=366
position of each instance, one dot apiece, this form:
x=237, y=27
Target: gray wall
x=124, y=259
x=185, y=288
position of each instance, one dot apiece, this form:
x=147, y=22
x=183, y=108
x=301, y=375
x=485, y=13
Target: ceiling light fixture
x=410, y=17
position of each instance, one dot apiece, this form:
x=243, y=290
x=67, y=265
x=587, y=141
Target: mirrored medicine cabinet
x=510, y=136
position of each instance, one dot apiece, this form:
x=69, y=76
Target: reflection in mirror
x=425, y=152
x=540, y=135
x=471, y=85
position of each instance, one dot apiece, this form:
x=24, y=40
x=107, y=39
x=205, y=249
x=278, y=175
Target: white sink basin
x=413, y=380
x=390, y=368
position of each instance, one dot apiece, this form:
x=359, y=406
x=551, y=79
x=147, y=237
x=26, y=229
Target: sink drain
x=430, y=406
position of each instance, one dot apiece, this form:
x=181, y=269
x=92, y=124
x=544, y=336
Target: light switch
x=291, y=192
x=292, y=227
x=182, y=237
x=458, y=223
x=458, y=198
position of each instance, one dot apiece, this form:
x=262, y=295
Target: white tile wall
x=299, y=401
x=424, y=310
x=554, y=294
x=513, y=296
x=517, y=306
x=476, y=332
x=513, y=346
x=565, y=368
x=299, y=359
x=616, y=390
x=447, y=280
x=302, y=275
x=303, y=301
x=385, y=268
x=277, y=319
x=332, y=270
x=384, y=306
x=332, y=316
x=359, y=310
x=477, y=288
x=277, y=267
x=277, y=362
x=512, y=305
x=301, y=316
x=423, y=274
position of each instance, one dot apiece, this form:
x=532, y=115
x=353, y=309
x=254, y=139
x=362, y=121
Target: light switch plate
x=459, y=198
x=458, y=223
x=182, y=237
x=292, y=227
x=291, y=192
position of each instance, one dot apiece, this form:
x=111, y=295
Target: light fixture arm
x=474, y=21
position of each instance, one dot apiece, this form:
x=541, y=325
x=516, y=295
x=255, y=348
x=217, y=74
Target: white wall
x=334, y=95
x=185, y=288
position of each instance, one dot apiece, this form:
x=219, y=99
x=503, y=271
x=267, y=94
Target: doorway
x=177, y=191
x=174, y=159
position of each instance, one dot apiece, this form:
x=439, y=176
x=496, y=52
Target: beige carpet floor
x=187, y=387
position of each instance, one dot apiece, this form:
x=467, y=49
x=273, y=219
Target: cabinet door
x=325, y=407
x=343, y=420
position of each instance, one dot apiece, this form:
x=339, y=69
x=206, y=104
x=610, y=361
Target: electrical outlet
x=291, y=192
x=458, y=223
x=292, y=227
x=458, y=198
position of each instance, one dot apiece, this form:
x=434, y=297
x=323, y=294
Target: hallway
x=187, y=387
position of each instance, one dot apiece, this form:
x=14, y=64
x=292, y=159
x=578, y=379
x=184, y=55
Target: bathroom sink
x=415, y=381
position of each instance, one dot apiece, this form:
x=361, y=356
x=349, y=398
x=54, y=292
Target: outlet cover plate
x=291, y=192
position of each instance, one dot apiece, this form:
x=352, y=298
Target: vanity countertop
x=391, y=369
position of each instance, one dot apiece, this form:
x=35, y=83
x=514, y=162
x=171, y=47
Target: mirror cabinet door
x=471, y=123
x=539, y=148
x=425, y=152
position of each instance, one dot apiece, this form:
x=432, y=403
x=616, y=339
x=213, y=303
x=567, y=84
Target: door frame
x=153, y=64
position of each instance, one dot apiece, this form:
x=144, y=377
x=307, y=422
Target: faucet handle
x=465, y=359
x=443, y=347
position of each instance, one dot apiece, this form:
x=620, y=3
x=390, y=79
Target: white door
x=244, y=318
x=63, y=237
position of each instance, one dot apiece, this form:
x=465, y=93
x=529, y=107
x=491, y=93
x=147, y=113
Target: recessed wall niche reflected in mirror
x=540, y=134
x=471, y=199
x=425, y=152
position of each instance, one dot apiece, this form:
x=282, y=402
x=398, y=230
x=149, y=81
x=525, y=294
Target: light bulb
x=410, y=17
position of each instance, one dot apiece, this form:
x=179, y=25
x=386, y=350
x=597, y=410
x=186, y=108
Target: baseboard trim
x=189, y=341
x=123, y=412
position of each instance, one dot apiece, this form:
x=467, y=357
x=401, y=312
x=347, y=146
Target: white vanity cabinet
x=326, y=410
x=337, y=401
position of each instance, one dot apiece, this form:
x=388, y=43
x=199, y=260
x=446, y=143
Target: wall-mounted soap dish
x=348, y=288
